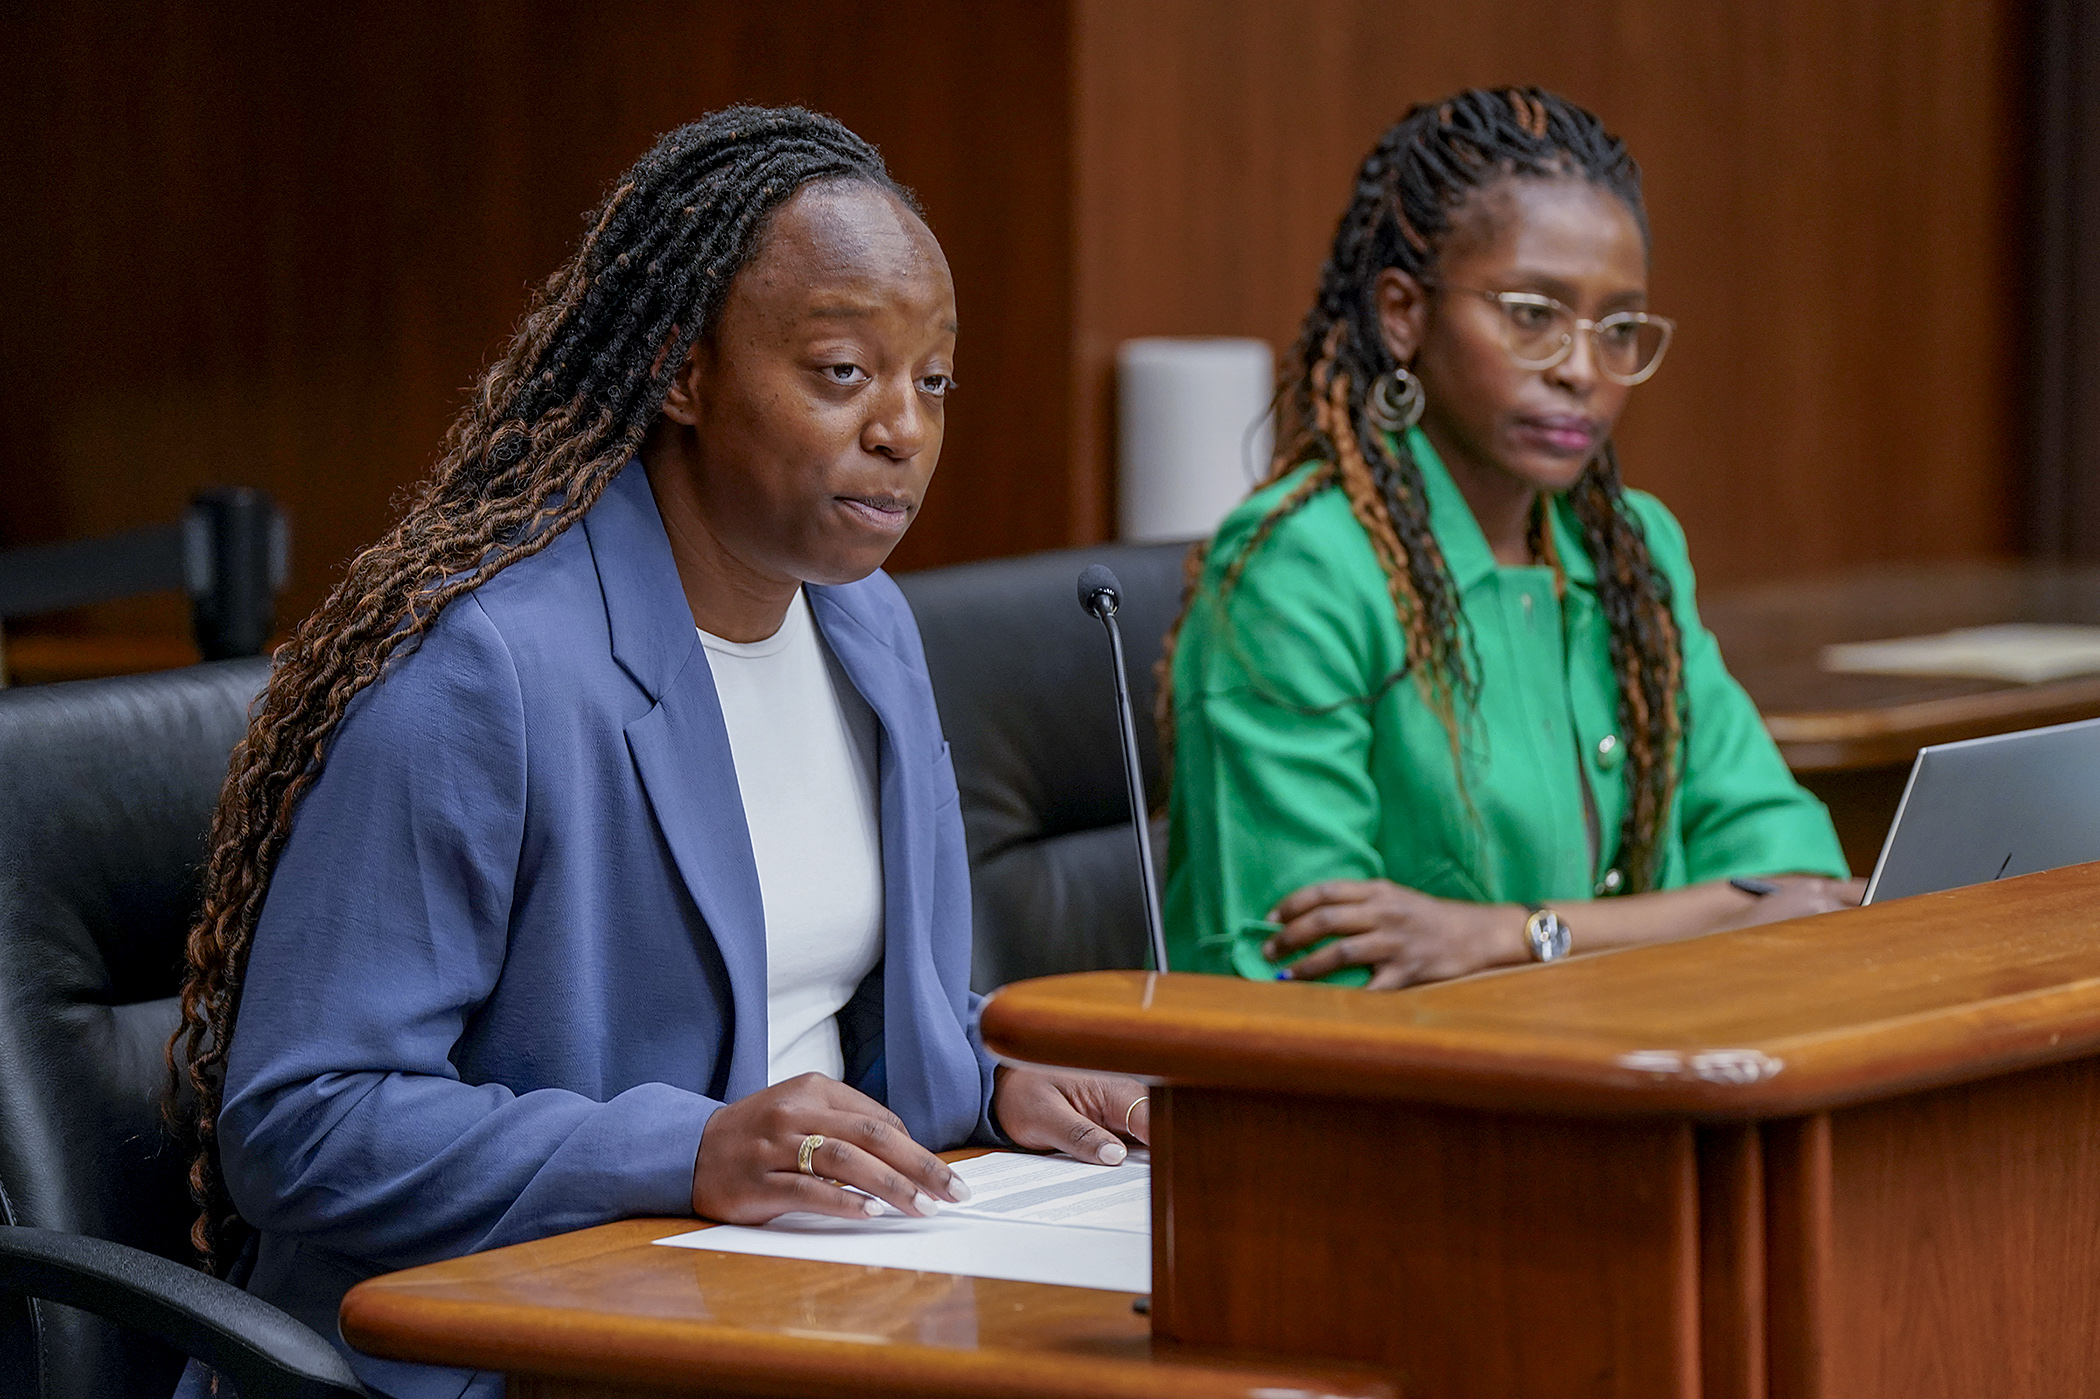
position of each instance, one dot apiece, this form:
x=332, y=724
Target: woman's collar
x=1464, y=544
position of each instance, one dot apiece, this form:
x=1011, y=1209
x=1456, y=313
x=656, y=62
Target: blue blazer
x=513, y=955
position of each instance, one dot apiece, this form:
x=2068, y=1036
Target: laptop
x=1991, y=808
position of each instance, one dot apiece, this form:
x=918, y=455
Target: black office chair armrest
x=265, y=1352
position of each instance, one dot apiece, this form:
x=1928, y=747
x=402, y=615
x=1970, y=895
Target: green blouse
x=1303, y=753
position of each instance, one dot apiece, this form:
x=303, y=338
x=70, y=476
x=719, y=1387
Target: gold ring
x=810, y=1144
x=1129, y=1111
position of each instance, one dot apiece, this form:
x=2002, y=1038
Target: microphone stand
x=1102, y=600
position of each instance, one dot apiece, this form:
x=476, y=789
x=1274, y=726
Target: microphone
x=1100, y=595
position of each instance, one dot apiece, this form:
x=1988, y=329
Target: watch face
x=1548, y=934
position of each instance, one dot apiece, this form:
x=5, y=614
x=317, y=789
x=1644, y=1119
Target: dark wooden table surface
x=1851, y=738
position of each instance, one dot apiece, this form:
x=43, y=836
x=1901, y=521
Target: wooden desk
x=1840, y=1158
x=1851, y=738
x=604, y=1312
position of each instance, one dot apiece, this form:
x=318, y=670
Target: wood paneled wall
x=2063, y=499
x=275, y=248
x=1834, y=186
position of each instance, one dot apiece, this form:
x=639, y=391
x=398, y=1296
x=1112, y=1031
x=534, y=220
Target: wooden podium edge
x=1952, y=988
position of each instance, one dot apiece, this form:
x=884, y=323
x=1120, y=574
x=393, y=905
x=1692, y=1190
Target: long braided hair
x=1408, y=190
x=549, y=424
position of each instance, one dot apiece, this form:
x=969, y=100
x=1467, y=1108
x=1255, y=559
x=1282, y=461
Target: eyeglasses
x=1540, y=333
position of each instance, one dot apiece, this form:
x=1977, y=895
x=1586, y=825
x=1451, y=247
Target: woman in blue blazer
x=484, y=953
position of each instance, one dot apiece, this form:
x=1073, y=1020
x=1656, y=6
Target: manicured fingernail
x=1113, y=1153
x=959, y=1188
x=871, y=1206
x=925, y=1204
x=1284, y=975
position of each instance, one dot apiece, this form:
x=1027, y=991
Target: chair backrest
x=231, y=552
x=106, y=793
x=1027, y=698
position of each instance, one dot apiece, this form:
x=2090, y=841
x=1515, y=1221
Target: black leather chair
x=106, y=791
x=1028, y=701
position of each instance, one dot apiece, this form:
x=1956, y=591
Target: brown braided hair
x=1408, y=190
x=548, y=425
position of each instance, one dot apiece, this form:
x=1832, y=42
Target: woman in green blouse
x=1441, y=699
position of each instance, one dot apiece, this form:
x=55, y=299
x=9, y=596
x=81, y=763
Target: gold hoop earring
x=1396, y=400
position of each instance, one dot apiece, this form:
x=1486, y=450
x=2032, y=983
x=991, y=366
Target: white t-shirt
x=804, y=743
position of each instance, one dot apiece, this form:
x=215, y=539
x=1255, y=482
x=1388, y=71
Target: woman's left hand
x=1403, y=936
x=1079, y=1114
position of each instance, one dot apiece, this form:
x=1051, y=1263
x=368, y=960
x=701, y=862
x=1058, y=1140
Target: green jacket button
x=1608, y=752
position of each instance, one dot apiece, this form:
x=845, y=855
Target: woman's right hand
x=1798, y=896
x=1404, y=936
x=748, y=1169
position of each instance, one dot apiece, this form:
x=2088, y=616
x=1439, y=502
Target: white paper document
x=1059, y=1190
x=1046, y=1219
x=2026, y=652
